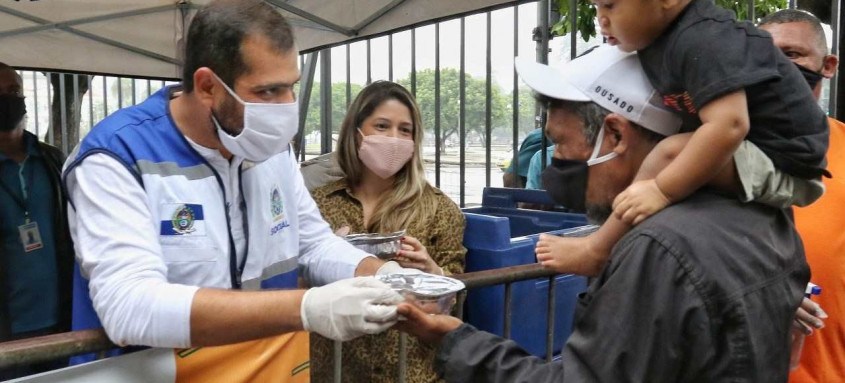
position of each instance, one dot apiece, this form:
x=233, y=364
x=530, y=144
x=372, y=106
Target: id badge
x=30, y=236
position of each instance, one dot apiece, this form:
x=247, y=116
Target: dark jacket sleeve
x=55, y=159
x=469, y=355
x=638, y=322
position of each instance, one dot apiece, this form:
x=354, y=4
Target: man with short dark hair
x=821, y=225
x=703, y=291
x=36, y=255
x=182, y=200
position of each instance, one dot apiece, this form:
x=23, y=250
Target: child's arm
x=704, y=155
x=724, y=124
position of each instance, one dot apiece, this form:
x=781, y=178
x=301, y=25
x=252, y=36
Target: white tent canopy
x=142, y=37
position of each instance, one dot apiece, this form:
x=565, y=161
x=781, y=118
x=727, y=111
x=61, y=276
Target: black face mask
x=566, y=183
x=12, y=110
x=812, y=77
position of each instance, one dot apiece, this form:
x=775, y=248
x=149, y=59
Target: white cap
x=607, y=76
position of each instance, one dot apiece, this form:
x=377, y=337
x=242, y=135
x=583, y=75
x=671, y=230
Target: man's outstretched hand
x=428, y=328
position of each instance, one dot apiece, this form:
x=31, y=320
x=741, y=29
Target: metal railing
x=408, y=54
x=63, y=107
x=53, y=347
x=64, y=345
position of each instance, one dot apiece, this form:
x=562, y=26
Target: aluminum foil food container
x=384, y=246
x=434, y=294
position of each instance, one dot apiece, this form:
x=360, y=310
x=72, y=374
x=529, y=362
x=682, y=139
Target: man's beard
x=597, y=214
x=226, y=117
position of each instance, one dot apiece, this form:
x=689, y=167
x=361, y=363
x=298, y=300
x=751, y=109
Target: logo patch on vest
x=182, y=219
x=277, y=211
x=276, y=207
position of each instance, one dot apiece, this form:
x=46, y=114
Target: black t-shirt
x=705, y=53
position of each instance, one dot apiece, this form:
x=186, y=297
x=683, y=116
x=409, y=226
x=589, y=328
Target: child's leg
x=587, y=255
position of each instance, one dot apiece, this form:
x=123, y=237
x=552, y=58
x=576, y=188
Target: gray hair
x=592, y=116
x=798, y=16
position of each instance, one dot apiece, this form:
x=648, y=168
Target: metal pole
x=550, y=329
x=305, y=97
x=90, y=103
x=488, y=103
x=50, y=127
x=52, y=347
x=515, y=104
x=437, y=105
x=338, y=361
x=403, y=357
x=751, y=11
x=541, y=33
x=369, y=64
x=459, y=306
x=390, y=57
x=348, y=76
x=325, y=101
x=35, y=102
x=542, y=39
x=462, y=118
x=414, y=62
x=120, y=93
x=105, y=97
x=63, y=100
x=506, y=332
x=573, y=27
x=76, y=106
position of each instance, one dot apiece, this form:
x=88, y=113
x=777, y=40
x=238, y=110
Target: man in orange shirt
x=821, y=225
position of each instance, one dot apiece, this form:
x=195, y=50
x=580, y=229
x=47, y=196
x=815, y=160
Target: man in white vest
x=181, y=203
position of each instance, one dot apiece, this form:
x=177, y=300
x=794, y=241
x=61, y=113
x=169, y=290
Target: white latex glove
x=393, y=267
x=349, y=308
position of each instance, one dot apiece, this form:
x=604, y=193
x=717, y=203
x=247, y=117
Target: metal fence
x=461, y=70
x=475, y=109
x=457, y=45
x=64, y=345
x=65, y=100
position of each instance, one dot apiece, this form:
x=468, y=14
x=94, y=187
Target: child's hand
x=639, y=201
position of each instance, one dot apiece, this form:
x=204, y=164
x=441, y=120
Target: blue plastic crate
x=498, y=234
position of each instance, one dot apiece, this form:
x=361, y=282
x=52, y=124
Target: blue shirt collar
x=31, y=142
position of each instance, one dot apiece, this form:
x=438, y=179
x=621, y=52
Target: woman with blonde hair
x=384, y=190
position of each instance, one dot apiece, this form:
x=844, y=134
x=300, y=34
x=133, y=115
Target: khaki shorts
x=763, y=183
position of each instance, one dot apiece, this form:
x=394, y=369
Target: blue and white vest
x=186, y=197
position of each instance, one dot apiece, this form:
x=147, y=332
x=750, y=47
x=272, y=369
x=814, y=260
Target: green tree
x=527, y=111
x=312, y=121
x=475, y=107
x=68, y=91
x=585, y=22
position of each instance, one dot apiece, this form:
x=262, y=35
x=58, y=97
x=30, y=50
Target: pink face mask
x=385, y=155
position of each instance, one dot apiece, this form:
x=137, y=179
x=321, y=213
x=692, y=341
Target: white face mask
x=594, y=158
x=268, y=128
